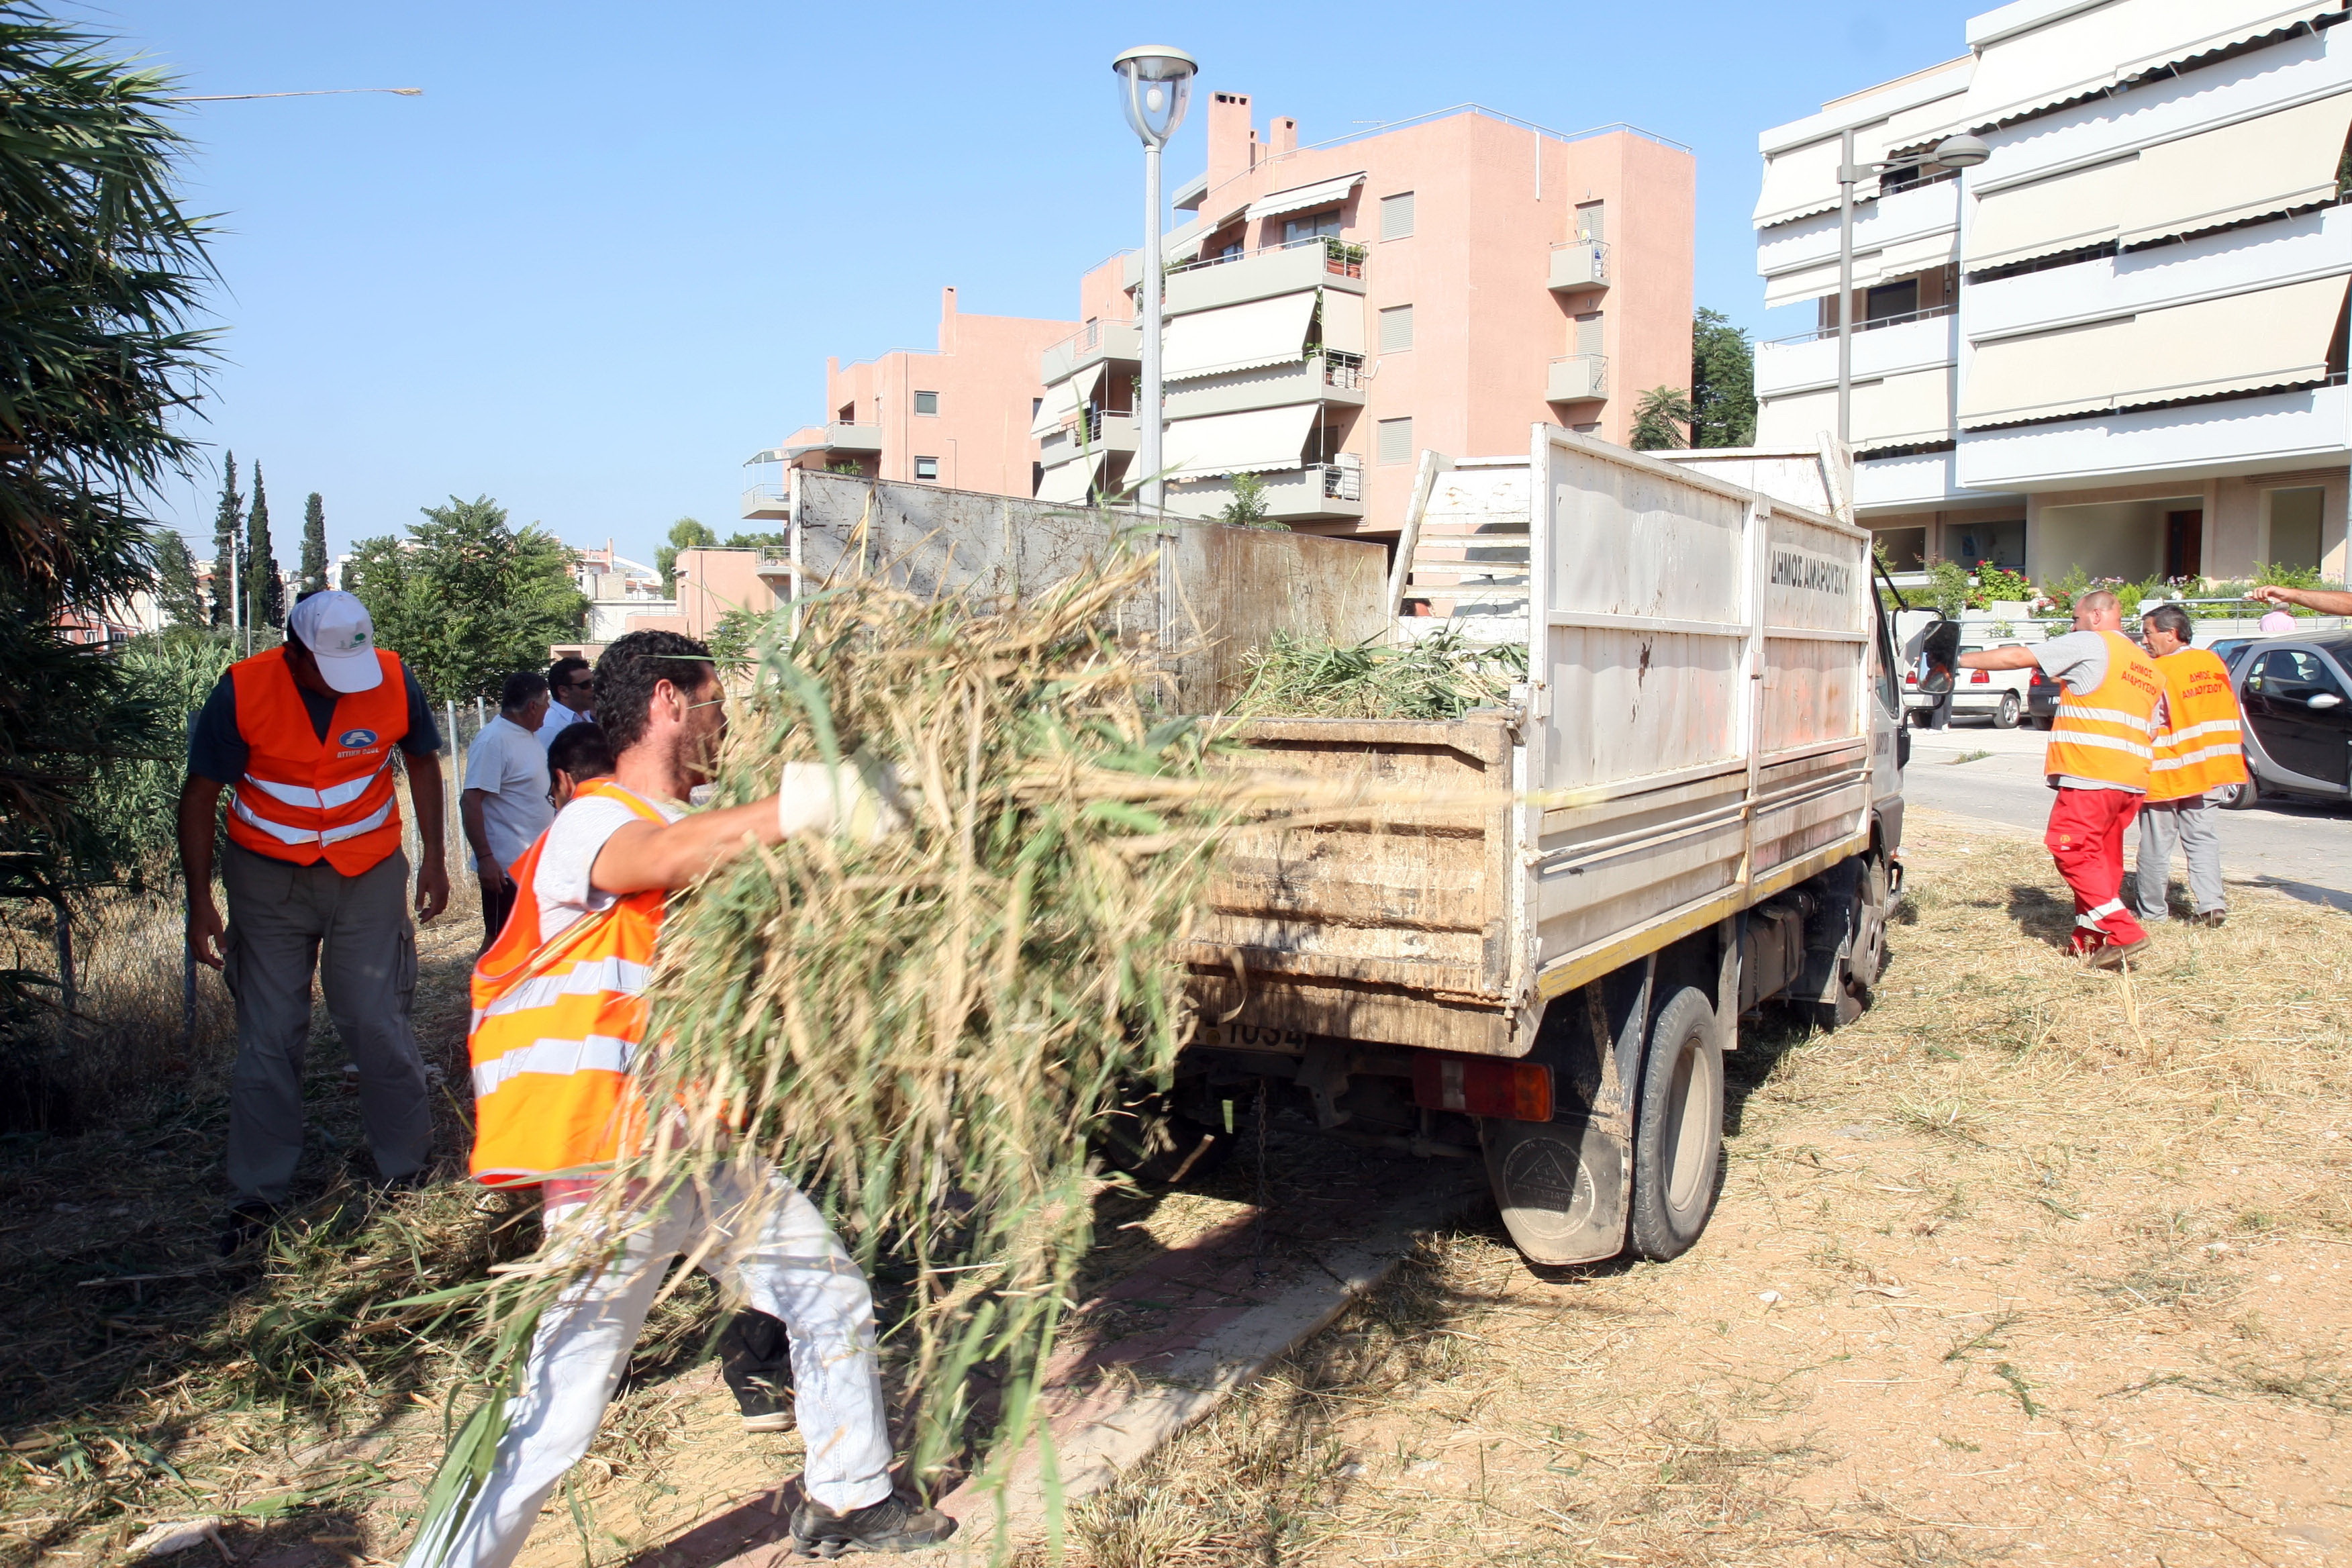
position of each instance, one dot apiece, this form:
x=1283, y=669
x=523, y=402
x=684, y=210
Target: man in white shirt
x=505, y=807
x=571, y=694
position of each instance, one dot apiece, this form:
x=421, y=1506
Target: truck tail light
x=1980, y=677
x=1481, y=1086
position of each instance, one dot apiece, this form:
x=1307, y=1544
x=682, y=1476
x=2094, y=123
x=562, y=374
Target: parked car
x=2041, y=695
x=1995, y=694
x=2297, y=697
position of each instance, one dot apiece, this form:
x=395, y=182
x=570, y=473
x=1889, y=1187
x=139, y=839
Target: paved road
x=2304, y=850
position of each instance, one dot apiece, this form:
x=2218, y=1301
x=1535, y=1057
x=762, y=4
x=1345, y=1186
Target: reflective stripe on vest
x=302, y=798
x=556, y=1028
x=2104, y=733
x=2200, y=746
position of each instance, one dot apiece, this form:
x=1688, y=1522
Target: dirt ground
x=2031, y=1264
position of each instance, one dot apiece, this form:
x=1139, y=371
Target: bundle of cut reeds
x=924, y=1032
x=1441, y=676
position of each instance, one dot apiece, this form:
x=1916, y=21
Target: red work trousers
x=2086, y=838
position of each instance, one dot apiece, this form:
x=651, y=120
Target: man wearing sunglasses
x=571, y=698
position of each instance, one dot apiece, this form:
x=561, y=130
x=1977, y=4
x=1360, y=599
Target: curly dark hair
x=629, y=670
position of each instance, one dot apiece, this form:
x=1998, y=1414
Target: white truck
x=1694, y=806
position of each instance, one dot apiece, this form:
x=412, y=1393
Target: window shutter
x=1395, y=441
x=1396, y=215
x=1589, y=222
x=1588, y=333
x=1396, y=329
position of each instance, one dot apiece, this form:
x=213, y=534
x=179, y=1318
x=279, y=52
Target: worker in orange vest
x=2200, y=748
x=2100, y=747
x=560, y=1017
x=302, y=735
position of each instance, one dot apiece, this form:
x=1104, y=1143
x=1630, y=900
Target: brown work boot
x=2113, y=953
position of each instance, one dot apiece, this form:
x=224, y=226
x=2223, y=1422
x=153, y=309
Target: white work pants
x=769, y=1248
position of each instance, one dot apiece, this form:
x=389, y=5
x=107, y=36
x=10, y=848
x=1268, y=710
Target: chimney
x=1283, y=137
x=1232, y=144
x=948, y=319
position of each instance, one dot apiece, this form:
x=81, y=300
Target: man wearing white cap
x=303, y=735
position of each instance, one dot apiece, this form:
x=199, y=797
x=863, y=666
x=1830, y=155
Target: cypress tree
x=314, y=544
x=176, y=594
x=265, y=591
x=228, y=542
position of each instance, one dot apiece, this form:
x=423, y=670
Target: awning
x=1920, y=253
x=2043, y=217
x=2095, y=46
x=1343, y=321
x=1238, y=337
x=1062, y=401
x=1816, y=282
x=2242, y=342
x=1073, y=483
x=1895, y=411
x=1299, y=198
x=1803, y=180
x=1259, y=439
x=773, y=455
x=2272, y=163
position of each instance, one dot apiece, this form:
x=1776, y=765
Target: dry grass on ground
x=2030, y=1265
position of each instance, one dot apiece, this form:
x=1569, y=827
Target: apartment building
x=2118, y=343
x=958, y=415
x=1333, y=310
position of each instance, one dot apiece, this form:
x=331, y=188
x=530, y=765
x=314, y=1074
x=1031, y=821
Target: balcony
x=1887, y=346
x=1321, y=263
x=839, y=438
x=1091, y=344
x=1324, y=377
x=1578, y=378
x=2313, y=427
x=765, y=502
x=1097, y=432
x=776, y=561
x=1313, y=493
x=1579, y=264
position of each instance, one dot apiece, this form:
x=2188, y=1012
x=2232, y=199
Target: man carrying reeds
x=560, y=1016
x=2200, y=748
x=2100, y=747
x=304, y=733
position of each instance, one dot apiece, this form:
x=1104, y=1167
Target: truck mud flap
x=1562, y=1186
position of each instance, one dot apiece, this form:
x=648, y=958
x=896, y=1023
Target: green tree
x=683, y=534
x=229, y=544
x=756, y=541
x=264, y=589
x=100, y=272
x=314, y=544
x=1248, y=508
x=177, y=592
x=1660, y=417
x=466, y=599
x=1723, y=382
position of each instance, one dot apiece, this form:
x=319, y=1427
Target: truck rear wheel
x=1678, y=1129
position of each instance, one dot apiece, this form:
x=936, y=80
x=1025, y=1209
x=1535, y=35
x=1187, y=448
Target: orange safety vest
x=301, y=799
x=2201, y=744
x=556, y=1028
x=2104, y=733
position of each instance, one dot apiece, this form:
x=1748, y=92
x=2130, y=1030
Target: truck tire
x=2005, y=716
x=1677, y=1128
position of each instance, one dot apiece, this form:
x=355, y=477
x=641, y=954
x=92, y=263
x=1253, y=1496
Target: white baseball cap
x=337, y=629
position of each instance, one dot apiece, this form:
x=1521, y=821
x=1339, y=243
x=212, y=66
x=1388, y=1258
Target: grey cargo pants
x=2189, y=823
x=284, y=921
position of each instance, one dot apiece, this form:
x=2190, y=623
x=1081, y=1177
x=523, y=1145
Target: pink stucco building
x=1333, y=310
x=958, y=415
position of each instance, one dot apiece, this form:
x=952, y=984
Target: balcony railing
x=1579, y=264
x=765, y=500
x=1578, y=377
x=1340, y=258
x=1818, y=333
x=1341, y=482
x=1343, y=371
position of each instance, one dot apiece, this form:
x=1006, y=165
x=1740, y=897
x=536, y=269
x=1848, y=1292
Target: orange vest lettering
x=556, y=1028
x=303, y=799
x=2104, y=733
x=2201, y=745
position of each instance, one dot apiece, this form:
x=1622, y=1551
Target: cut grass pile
x=1441, y=676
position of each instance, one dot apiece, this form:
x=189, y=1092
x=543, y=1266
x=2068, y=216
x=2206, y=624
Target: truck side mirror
x=1940, y=656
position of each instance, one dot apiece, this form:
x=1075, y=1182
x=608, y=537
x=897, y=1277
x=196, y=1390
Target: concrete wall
x=710, y=583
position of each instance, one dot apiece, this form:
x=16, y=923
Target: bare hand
x=494, y=878
x=204, y=929
x=2269, y=594
x=431, y=889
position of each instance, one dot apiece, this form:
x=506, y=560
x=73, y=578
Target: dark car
x=2041, y=700
x=2297, y=697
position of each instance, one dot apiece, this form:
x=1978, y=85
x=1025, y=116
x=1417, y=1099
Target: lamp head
x=1962, y=151
x=1155, y=85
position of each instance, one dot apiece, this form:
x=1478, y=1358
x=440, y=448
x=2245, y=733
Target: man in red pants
x=2097, y=763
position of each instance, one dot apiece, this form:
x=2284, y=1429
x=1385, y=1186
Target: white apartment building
x=2118, y=343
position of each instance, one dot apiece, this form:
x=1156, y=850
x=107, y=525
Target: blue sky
x=603, y=259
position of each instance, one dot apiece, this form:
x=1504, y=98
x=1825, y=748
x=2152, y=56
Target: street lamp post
x=1155, y=85
x=1961, y=151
